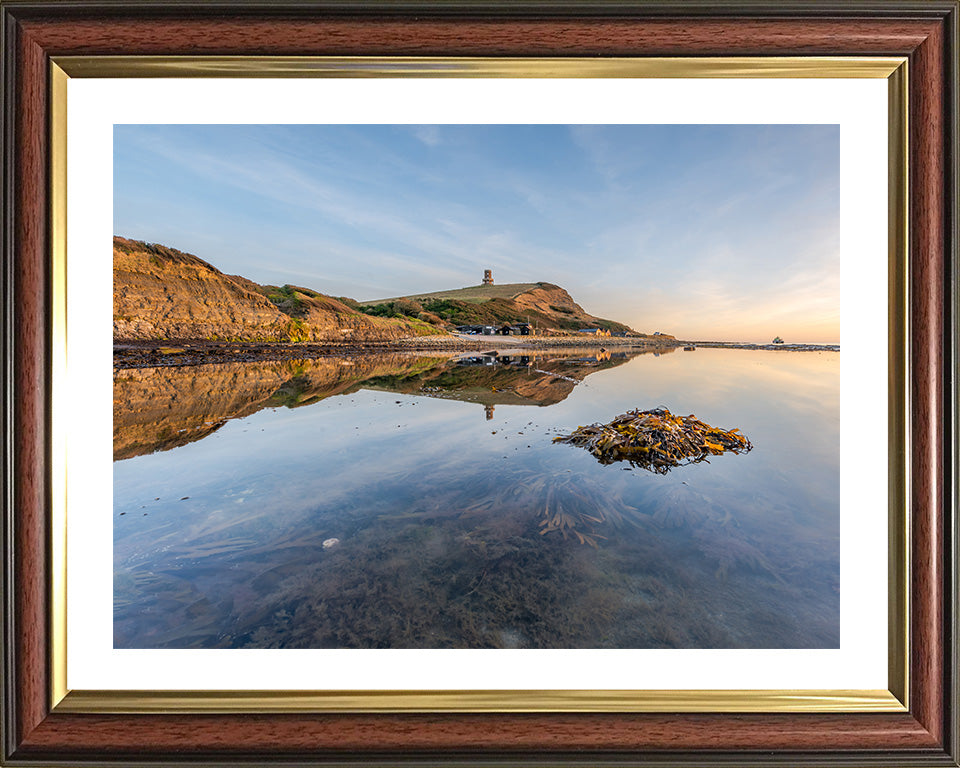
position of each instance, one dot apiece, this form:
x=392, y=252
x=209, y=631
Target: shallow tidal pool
x=398, y=501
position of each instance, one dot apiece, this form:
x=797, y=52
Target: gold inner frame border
x=894, y=699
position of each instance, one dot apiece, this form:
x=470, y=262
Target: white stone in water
x=330, y=543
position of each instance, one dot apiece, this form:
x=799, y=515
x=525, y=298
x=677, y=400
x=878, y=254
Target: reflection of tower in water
x=488, y=409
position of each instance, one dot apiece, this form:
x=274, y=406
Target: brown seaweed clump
x=656, y=440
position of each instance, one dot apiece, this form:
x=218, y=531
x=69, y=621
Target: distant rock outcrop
x=162, y=293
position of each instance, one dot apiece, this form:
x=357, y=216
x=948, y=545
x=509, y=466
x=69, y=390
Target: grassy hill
x=476, y=294
x=546, y=306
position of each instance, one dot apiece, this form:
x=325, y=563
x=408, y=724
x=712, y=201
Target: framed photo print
x=463, y=383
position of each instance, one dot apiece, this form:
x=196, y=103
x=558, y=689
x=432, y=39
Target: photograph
x=402, y=383
x=464, y=386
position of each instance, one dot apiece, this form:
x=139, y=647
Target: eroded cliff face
x=162, y=293
x=553, y=301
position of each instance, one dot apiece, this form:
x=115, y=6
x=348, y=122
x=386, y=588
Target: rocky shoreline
x=154, y=354
x=773, y=347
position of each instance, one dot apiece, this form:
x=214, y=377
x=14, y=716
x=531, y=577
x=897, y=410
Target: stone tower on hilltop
x=488, y=277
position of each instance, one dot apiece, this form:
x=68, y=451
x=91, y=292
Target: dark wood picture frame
x=925, y=32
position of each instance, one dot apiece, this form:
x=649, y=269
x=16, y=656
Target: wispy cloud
x=428, y=134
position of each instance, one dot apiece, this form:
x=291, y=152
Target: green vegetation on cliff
x=499, y=311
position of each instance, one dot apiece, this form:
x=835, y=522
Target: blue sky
x=706, y=232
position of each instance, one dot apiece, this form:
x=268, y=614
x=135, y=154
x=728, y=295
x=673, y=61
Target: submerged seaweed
x=656, y=440
x=568, y=505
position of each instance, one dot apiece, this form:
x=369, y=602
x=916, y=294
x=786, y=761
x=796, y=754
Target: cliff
x=554, y=303
x=163, y=293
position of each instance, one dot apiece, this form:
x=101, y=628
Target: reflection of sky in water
x=738, y=552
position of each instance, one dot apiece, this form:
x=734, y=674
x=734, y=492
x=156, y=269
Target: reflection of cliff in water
x=492, y=379
x=161, y=408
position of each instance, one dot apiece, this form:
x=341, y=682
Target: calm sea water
x=433, y=477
